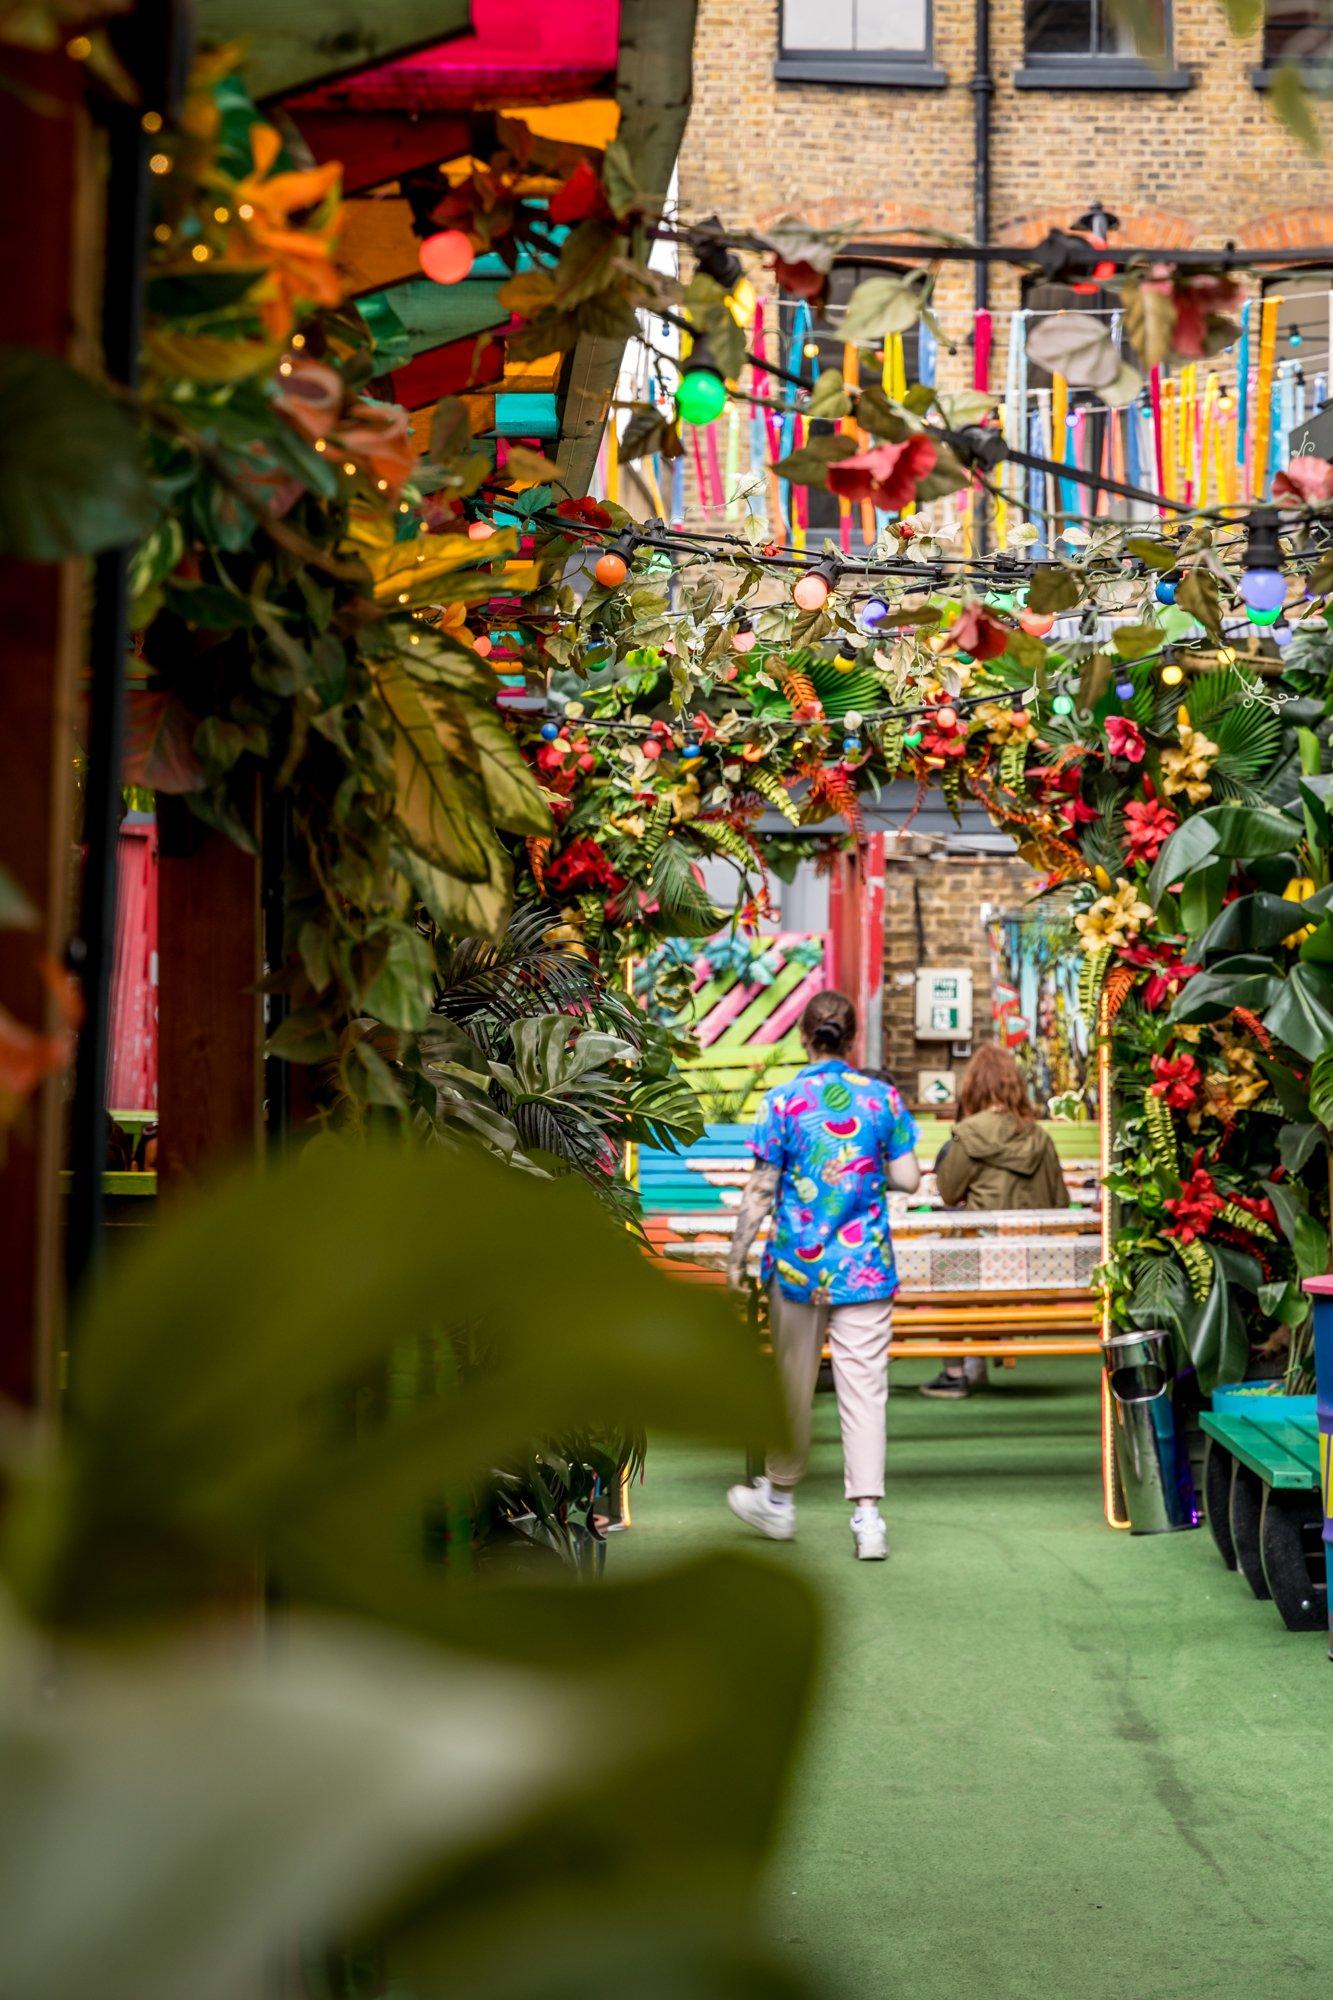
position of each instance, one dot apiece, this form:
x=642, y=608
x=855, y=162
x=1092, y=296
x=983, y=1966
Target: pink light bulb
x=743, y=639
x=811, y=591
x=447, y=257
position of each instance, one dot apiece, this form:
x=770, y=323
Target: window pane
x=1059, y=27
x=898, y=25
x=818, y=24
x=1115, y=34
x=1298, y=31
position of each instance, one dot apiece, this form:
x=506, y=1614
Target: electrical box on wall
x=943, y=1003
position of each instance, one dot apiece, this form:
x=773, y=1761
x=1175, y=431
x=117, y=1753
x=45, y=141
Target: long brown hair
x=993, y=1081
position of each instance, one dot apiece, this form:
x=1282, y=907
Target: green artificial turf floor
x=1049, y=1761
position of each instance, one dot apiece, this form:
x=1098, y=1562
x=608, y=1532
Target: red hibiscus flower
x=974, y=631
x=944, y=743
x=582, y=867
x=886, y=475
x=585, y=513
x=580, y=197
x=1125, y=739
x=1168, y=972
x=1148, y=826
x=1178, y=1079
x=1306, y=481
x=1260, y=1207
x=1195, y=1207
x=1077, y=812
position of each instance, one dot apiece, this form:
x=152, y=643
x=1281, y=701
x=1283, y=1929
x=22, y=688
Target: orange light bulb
x=447, y=257
x=610, y=570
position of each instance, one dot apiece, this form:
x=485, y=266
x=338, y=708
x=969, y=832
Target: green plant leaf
x=512, y=792
x=808, y=465
x=1246, y=981
x=440, y=802
x=1192, y=844
x=1251, y=924
x=1214, y=1334
x=1197, y=593
x=1301, y=1012
x=881, y=306
x=72, y=471
x=1054, y=588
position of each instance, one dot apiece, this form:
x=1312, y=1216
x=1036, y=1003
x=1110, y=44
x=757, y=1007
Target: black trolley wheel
x=1217, y=1498
x=1291, y=1549
x=1247, y=1495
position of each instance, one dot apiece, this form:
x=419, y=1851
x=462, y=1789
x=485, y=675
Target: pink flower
x=886, y=475
x=1305, y=481
x=1125, y=739
x=1195, y=299
x=974, y=631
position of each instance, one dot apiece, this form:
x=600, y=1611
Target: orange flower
x=300, y=256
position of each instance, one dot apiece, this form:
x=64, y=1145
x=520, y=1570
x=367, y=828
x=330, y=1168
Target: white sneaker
x=756, y=1506
x=871, y=1536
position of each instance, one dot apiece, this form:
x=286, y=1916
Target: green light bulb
x=1062, y=705
x=701, y=395
x=912, y=738
x=1259, y=617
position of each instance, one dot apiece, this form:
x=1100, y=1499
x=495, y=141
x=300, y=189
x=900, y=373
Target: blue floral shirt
x=831, y=1133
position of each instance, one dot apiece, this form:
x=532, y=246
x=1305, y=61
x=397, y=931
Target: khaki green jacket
x=995, y=1160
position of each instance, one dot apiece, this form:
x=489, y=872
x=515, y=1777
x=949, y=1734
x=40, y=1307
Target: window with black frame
x=821, y=346
x=1092, y=44
x=856, y=41
x=1299, y=32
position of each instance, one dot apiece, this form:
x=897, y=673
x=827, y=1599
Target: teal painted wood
x=432, y=315
x=523, y=414
x=1285, y=1456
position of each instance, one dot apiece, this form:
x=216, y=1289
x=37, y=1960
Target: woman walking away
x=998, y=1157
x=824, y=1146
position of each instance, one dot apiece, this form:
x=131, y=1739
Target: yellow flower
x=1113, y=920
x=1006, y=724
x=1186, y=769
x=685, y=801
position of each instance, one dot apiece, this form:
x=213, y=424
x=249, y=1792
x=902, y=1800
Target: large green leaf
x=1214, y=1333
x=72, y=468
x=1254, y=924
x=512, y=792
x=1246, y=981
x=1193, y=842
x=440, y=801
x=204, y=1357
x=1301, y=1012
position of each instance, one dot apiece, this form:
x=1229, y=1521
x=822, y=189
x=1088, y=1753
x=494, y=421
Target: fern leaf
x=654, y=832
x=891, y=745
x=1091, y=974
x=771, y=788
x=1240, y=1218
x=1013, y=763
x=1161, y=1133
x=719, y=834
x=1198, y=1269
x=1116, y=989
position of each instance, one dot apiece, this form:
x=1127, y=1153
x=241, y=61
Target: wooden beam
x=376, y=146
x=45, y=145
x=293, y=45
x=210, y=1015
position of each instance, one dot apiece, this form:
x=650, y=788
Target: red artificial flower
x=1168, y=972
x=582, y=867
x=1198, y=1202
x=886, y=475
x=944, y=743
x=1195, y=299
x=585, y=513
x=802, y=280
x=974, y=631
x=580, y=197
x=1305, y=482
x=1125, y=739
x=1077, y=812
x=1178, y=1079
x=1148, y=826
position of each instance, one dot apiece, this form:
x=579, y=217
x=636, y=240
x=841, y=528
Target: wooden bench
x=1262, y=1499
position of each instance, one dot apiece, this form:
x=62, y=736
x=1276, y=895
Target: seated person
x=999, y=1157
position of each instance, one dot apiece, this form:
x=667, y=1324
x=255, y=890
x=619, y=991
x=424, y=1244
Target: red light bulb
x=447, y=257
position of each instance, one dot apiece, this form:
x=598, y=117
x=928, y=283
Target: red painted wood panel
x=375, y=146
x=448, y=371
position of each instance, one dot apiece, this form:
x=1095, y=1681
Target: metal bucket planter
x=1150, y=1453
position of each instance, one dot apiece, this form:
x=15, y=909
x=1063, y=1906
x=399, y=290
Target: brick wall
x=1196, y=166
x=950, y=891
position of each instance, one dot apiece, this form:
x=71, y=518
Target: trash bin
x=1150, y=1453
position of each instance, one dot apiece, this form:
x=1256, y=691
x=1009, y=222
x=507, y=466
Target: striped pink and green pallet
x=747, y=1028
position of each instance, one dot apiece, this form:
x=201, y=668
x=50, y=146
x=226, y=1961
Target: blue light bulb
x=1125, y=690
x=873, y=612
x=1165, y=592
x=1282, y=636
x=550, y=730
x=692, y=750
x=851, y=746
x=1264, y=589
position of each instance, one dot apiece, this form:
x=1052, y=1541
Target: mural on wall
x=1035, y=1004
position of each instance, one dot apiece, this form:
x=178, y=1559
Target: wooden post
x=47, y=201
x=210, y=1015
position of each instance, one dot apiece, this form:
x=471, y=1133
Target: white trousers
x=858, y=1337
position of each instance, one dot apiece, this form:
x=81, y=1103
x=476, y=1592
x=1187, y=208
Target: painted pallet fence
x=745, y=1013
